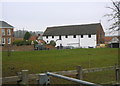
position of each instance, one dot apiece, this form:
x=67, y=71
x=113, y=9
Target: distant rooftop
x=4, y=24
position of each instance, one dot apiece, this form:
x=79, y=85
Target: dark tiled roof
x=73, y=30
x=4, y=24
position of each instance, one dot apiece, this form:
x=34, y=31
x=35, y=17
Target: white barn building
x=79, y=36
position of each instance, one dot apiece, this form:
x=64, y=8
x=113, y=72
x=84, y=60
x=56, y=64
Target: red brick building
x=6, y=32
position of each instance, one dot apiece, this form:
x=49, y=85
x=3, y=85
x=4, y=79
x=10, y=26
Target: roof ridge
x=4, y=24
x=74, y=25
x=73, y=29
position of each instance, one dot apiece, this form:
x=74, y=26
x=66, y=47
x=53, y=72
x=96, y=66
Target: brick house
x=6, y=31
x=113, y=41
x=79, y=36
x=108, y=39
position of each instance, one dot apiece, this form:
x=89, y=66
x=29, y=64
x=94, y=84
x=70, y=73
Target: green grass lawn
x=57, y=60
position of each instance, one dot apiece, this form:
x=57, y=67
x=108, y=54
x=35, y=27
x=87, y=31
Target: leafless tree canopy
x=115, y=16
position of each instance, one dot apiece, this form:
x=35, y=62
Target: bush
x=53, y=43
x=18, y=42
x=23, y=42
x=35, y=42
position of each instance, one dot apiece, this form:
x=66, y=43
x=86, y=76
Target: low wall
x=18, y=48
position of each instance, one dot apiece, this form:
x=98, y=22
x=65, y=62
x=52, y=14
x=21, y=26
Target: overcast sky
x=36, y=16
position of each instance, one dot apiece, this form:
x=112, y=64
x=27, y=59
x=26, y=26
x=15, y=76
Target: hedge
x=23, y=42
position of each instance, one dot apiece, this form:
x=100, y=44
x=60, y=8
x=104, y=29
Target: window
x=74, y=36
x=9, y=40
x=3, y=40
x=46, y=37
x=52, y=36
x=89, y=36
x=66, y=36
x=60, y=38
x=81, y=36
x=3, y=32
x=9, y=32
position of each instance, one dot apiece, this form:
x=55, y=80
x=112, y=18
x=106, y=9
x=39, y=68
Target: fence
x=23, y=76
x=66, y=78
x=17, y=48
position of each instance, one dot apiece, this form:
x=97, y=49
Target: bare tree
x=114, y=16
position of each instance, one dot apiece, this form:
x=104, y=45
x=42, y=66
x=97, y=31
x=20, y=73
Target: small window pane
x=81, y=36
x=3, y=32
x=47, y=37
x=89, y=36
x=9, y=32
x=52, y=36
x=60, y=38
x=3, y=40
x=74, y=36
x=9, y=40
x=66, y=36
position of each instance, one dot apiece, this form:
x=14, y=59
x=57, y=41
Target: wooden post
x=79, y=71
x=43, y=80
x=9, y=50
x=24, y=77
x=119, y=74
x=20, y=77
x=117, y=71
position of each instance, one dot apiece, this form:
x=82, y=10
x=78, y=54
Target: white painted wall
x=77, y=42
x=87, y=42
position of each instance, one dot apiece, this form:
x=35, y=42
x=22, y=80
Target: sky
x=36, y=15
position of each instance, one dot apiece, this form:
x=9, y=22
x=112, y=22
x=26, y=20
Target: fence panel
x=96, y=75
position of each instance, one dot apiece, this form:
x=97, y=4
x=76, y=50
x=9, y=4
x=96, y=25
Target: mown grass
x=57, y=60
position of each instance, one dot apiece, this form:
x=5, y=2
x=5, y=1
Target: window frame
x=60, y=38
x=3, y=31
x=53, y=37
x=82, y=36
x=66, y=36
x=46, y=37
x=8, y=32
x=89, y=36
x=3, y=38
x=74, y=36
x=9, y=40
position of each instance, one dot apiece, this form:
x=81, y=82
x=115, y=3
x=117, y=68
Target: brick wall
x=6, y=36
x=18, y=48
x=100, y=36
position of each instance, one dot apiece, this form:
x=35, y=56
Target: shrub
x=35, y=42
x=22, y=42
x=53, y=43
x=18, y=42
